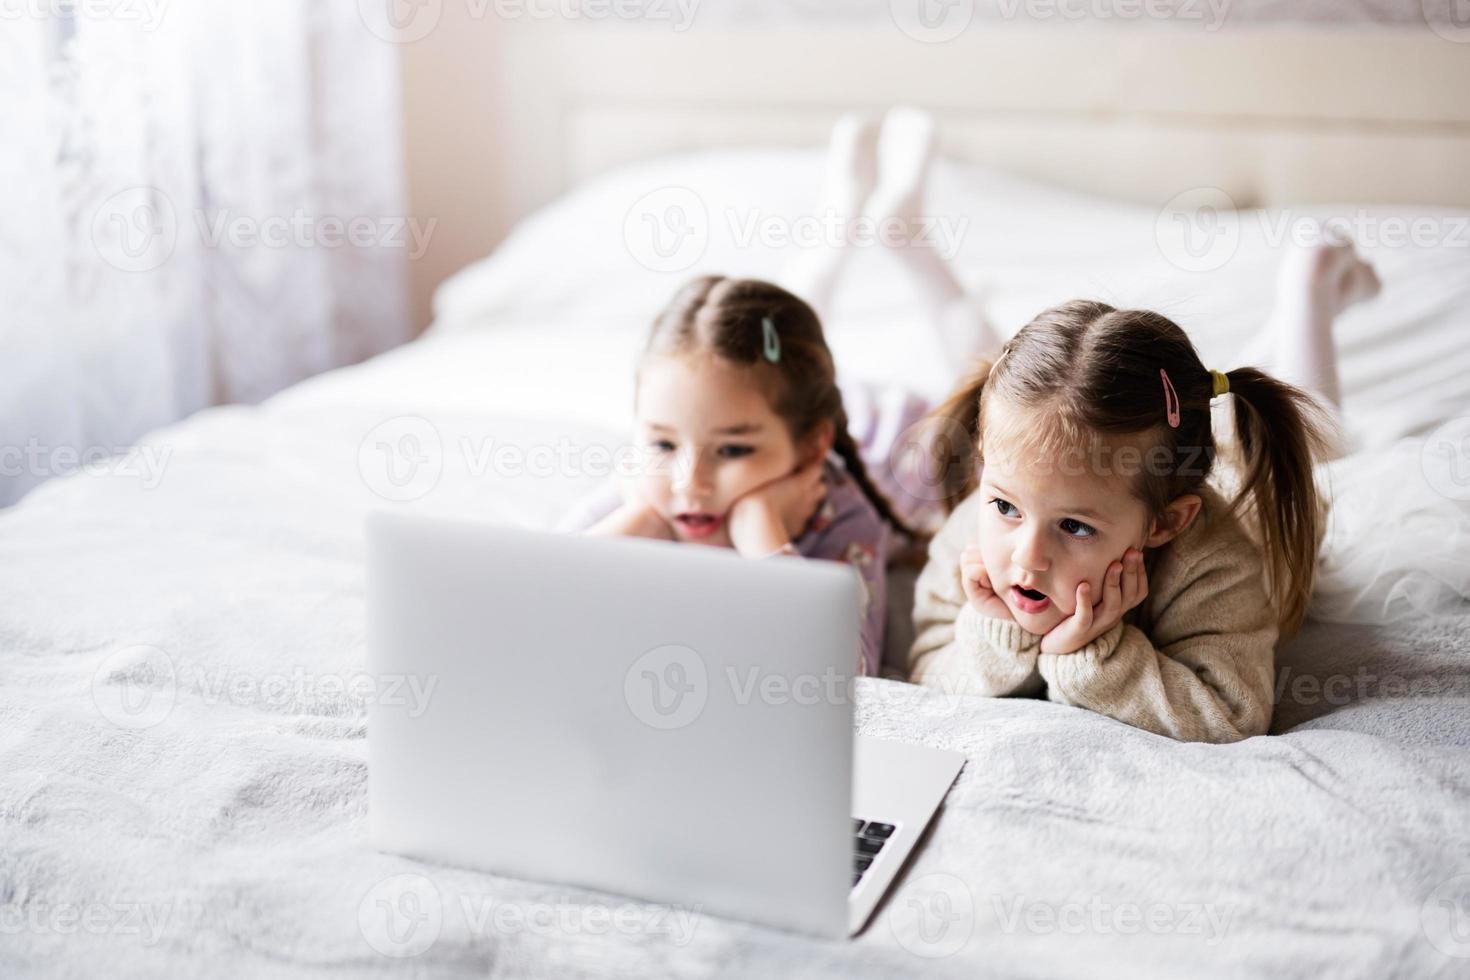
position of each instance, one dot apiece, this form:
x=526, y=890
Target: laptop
x=670, y=722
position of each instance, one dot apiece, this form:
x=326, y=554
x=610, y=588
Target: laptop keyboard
x=869, y=836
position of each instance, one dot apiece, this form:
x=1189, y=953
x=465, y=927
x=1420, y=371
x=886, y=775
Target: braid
x=847, y=448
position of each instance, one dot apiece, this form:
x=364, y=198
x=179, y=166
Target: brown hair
x=727, y=317
x=1085, y=371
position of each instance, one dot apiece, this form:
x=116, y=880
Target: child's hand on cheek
x=638, y=517
x=772, y=515
x=976, y=581
x=634, y=519
x=1125, y=584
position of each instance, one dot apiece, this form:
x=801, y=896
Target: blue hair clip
x=773, y=340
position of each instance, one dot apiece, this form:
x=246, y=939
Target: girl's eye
x=1004, y=507
x=1076, y=528
x=662, y=446
x=735, y=452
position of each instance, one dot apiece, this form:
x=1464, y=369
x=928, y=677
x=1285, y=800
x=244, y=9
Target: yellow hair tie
x=1222, y=383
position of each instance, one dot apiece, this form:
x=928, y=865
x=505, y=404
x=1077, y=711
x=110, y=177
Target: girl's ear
x=1178, y=515
x=818, y=442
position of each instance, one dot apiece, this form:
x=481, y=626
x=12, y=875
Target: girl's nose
x=691, y=472
x=1030, y=553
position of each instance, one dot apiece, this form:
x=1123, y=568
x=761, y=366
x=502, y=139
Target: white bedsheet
x=224, y=604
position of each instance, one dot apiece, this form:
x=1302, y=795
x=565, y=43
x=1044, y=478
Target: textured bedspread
x=183, y=769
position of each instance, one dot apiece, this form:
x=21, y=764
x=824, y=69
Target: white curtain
x=199, y=202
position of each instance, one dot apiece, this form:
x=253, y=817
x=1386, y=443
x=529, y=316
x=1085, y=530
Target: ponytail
x=1281, y=431
x=953, y=435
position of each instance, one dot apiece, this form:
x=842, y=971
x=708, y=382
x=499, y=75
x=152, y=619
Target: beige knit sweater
x=1194, y=661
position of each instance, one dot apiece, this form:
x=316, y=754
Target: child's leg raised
x=850, y=175
x=905, y=153
x=1314, y=286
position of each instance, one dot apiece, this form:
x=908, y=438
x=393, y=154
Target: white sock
x=905, y=153
x=1314, y=286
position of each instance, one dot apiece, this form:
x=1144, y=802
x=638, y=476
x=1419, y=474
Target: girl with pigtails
x=1089, y=559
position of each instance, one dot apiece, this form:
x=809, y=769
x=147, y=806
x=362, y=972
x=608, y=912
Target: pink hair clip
x=1171, y=400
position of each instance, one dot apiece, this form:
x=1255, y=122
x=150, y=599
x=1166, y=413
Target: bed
x=182, y=753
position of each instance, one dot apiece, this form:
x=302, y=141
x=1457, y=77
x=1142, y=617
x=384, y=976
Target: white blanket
x=183, y=767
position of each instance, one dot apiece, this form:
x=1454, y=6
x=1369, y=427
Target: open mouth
x=1030, y=600
x=698, y=524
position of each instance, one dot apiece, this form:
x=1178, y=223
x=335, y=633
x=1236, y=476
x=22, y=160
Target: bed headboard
x=501, y=116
